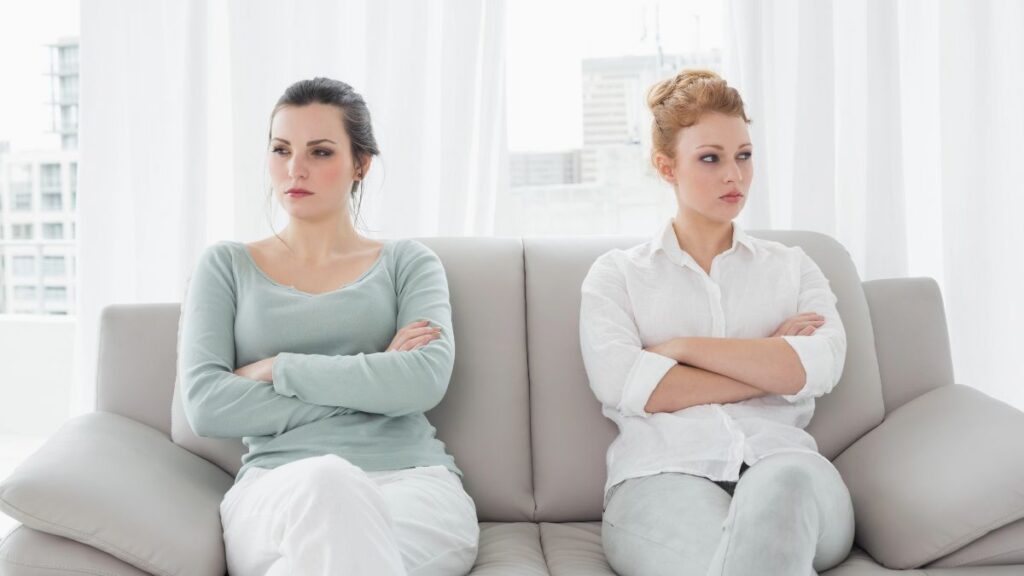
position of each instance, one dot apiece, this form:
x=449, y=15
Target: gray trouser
x=790, y=515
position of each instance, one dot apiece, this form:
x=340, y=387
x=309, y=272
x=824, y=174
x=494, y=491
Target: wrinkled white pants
x=324, y=515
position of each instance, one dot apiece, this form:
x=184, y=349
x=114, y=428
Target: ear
x=362, y=167
x=666, y=167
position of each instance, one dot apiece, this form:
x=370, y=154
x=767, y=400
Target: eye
x=280, y=151
x=322, y=152
x=745, y=155
x=709, y=158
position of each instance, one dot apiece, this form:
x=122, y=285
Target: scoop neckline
x=376, y=264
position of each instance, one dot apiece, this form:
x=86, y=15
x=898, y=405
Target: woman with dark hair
x=322, y=349
x=707, y=347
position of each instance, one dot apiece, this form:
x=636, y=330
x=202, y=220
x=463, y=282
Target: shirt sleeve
x=822, y=354
x=621, y=373
x=218, y=402
x=390, y=383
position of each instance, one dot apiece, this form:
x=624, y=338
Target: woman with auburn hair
x=707, y=347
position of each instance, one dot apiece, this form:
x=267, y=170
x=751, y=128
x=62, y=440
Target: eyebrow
x=310, y=143
x=719, y=147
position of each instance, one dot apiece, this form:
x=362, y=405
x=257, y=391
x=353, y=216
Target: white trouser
x=324, y=515
x=791, y=515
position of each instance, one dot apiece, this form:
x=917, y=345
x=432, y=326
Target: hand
x=800, y=325
x=414, y=336
x=262, y=370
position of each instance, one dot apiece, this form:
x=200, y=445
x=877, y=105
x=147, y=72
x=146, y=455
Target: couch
x=935, y=468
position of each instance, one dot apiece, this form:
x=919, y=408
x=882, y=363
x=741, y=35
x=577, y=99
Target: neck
x=314, y=242
x=700, y=237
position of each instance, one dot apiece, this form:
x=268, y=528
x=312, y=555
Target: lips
x=298, y=192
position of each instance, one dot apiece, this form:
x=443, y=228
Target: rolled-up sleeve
x=822, y=354
x=621, y=373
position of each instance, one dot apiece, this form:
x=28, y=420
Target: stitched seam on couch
x=58, y=530
x=971, y=563
x=964, y=541
x=60, y=568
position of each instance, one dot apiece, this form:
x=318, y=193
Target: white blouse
x=654, y=292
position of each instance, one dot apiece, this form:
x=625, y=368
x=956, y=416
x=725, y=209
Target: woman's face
x=310, y=151
x=712, y=168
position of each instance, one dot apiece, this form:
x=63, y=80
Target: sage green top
x=334, y=390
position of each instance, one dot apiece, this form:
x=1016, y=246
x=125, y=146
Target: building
x=614, y=92
x=614, y=188
x=544, y=168
x=38, y=204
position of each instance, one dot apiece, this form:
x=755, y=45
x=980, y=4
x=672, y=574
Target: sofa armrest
x=940, y=472
x=911, y=338
x=126, y=489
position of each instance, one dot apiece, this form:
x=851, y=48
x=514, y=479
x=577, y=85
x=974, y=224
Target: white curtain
x=898, y=128
x=175, y=103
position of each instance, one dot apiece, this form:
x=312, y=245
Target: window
x=69, y=59
x=69, y=88
x=24, y=292
x=24, y=266
x=55, y=294
x=52, y=202
x=21, y=187
x=21, y=232
x=21, y=196
x=579, y=149
x=53, y=231
x=53, y=266
x=73, y=185
x=49, y=177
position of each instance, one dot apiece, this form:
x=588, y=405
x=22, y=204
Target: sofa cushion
x=999, y=547
x=942, y=471
x=104, y=480
x=509, y=549
x=28, y=552
x=484, y=418
x=574, y=549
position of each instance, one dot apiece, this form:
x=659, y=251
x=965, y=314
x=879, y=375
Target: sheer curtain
x=175, y=101
x=897, y=128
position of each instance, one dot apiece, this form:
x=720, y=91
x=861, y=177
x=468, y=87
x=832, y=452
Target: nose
x=733, y=173
x=297, y=167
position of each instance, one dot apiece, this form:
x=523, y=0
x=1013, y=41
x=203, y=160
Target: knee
x=779, y=488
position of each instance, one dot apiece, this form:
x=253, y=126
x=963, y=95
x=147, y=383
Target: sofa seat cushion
x=940, y=472
x=574, y=549
x=509, y=549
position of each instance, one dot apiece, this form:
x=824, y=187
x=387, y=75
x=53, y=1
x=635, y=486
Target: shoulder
x=614, y=265
x=220, y=254
x=407, y=252
x=776, y=252
x=413, y=262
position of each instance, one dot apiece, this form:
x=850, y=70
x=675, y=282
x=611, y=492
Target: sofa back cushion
x=571, y=436
x=484, y=417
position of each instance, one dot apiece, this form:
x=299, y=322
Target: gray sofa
x=936, y=469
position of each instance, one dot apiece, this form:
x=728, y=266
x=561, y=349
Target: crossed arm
x=725, y=370
x=803, y=358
